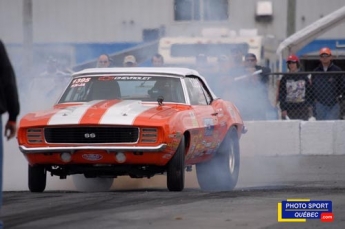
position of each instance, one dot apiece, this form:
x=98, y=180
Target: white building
x=89, y=21
x=124, y=23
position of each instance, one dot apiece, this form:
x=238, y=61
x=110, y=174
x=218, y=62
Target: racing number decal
x=80, y=82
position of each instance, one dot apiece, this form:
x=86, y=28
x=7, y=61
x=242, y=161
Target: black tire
x=221, y=172
x=97, y=184
x=37, y=178
x=176, y=169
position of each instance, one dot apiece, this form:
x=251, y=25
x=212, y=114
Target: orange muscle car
x=138, y=122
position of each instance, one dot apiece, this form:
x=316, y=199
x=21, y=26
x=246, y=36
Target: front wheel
x=221, y=172
x=175, y=171
x=37, y=178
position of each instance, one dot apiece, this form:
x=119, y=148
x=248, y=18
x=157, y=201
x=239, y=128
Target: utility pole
x=291, y=17
x=27, y=37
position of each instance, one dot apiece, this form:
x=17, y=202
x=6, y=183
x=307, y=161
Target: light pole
x=291, y=18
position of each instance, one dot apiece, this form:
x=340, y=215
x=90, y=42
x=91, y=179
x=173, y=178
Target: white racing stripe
x=71, y=115
x=123, y=113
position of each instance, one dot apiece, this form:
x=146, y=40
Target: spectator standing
x=103, y=61
x=237, y=67
x=249, y=90
x=221, y=75
x=157, y=60
x=237, y=56
x=327, y=88
x=49, y=85
x=9, y=103
x=223, y=62
x=129, y=61
x=201, y=64
x=250, y=63
x=52, y=69
x=231, y=89
x=295, y=95
x=203, y=67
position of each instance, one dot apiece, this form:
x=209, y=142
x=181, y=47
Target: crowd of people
x=299, y=95
x=238, y=77
x=318, y=95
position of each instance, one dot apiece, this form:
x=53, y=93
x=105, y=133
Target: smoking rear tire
x=97, y=184
x=175, y=170
x=221, y=172
x=37, y=178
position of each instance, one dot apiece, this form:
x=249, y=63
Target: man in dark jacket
x=8, y=103
x=250, y=63
x=327, y=88
x=264, y=109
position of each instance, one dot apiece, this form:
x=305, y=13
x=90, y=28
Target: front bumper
x=72, y=149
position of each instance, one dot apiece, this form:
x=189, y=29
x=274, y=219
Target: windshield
x=145, y=88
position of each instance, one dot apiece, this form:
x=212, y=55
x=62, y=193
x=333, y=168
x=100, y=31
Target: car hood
x=107, y=112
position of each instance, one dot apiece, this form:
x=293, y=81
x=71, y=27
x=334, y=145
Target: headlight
x=34, y=135
x=149, y=135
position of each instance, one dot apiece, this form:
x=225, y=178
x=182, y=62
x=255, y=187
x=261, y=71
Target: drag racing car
x=136, y=122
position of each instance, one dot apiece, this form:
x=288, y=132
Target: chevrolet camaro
x=136, y=122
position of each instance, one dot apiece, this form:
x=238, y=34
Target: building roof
x=301, y=38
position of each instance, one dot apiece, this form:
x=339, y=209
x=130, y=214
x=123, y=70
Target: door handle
x=214, y=114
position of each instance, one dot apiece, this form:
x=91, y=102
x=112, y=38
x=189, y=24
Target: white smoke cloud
x=41, y=95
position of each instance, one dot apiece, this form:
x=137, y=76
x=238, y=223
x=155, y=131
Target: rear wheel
x=175, y=171
x=97, y=184
x=37, y=178
x=221, y=172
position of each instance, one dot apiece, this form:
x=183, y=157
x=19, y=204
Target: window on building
x=215, y=10
x=201, y=10
x=187, y=10
x=150, y=34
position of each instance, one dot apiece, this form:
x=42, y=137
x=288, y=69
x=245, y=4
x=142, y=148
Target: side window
x=207, y=96
x=197, y=94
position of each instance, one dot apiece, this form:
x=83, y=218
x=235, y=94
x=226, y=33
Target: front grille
x=91, y=135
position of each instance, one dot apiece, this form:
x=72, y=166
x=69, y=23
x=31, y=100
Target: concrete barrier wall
x=275, y=138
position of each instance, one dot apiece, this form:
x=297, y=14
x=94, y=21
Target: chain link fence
x=311, y=94
x=298, y=96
